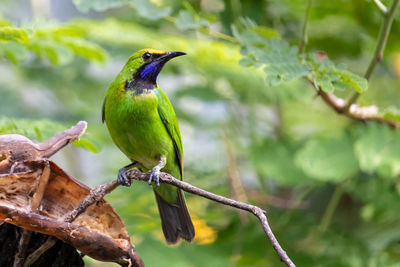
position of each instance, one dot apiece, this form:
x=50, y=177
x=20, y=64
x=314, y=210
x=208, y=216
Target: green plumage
x=143, y=124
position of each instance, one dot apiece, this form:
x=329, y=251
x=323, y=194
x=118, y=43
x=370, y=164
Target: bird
x=143, y=125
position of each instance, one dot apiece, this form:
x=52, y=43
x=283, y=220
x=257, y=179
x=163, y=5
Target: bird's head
x=144, y=65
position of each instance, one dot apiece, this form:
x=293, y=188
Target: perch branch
x=100, y=191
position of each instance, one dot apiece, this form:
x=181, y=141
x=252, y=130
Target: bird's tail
x=175, y=219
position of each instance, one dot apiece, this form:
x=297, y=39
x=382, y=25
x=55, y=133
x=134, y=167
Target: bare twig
x=167, y=178
x=95, y=195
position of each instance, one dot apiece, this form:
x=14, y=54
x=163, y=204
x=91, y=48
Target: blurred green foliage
x=330, y=184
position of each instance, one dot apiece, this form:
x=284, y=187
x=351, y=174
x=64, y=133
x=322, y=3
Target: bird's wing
x=168, y=117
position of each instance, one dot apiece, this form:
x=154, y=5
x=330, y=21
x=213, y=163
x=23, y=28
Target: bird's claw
x=154, y=177
x=122, y=178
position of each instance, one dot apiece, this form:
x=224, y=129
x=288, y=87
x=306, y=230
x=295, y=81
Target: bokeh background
x=330, y=184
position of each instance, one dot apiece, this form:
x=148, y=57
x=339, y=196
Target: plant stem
x=330, y=210
x=381, y=6
x=384, y=31
x=304, y=37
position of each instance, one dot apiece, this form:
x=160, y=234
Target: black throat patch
x=139, y=84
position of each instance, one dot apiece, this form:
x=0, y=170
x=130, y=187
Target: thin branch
x=367, y=113
x=34, y=256
x=381, y=6
x=22, y=247
x=100, y=191
x=384, y=31
x=330, y=210
x=95, y=195
x=304, y=37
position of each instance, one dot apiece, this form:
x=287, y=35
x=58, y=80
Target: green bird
x=143, y=124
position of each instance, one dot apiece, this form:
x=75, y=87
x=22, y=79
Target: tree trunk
x=59, y=255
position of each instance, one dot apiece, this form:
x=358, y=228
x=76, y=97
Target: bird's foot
x=155, y=176
x=122, y=178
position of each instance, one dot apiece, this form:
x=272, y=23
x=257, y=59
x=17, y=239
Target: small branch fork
x=367, y=113
x=100, y=191
x=348, y=107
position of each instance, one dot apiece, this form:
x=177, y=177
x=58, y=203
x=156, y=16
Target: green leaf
x=280, y=60
x=148, y=10
x=13, y=51
x=57, y=53
x=275, y=161
x=284, y=72
x=185, y=21
x=358, y=83
x=86, y=144
x=8, y=33
x=378, y=150
x=328, y=159
x=97, y=5
x=85, y=49
x=331, y=77
x=4, y=22
x=266, y=32
x=326, y=84
x=392, y=113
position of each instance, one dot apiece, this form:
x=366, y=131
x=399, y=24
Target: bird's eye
x=146, y=56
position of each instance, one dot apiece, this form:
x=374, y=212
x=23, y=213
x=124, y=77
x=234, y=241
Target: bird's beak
x=168, y=55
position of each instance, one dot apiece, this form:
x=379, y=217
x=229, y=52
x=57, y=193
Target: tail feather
x=175, y=219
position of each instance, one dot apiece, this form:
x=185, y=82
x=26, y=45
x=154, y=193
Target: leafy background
x=252, y=126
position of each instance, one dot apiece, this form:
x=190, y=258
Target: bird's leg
x=122, y=179
x=155, y=172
